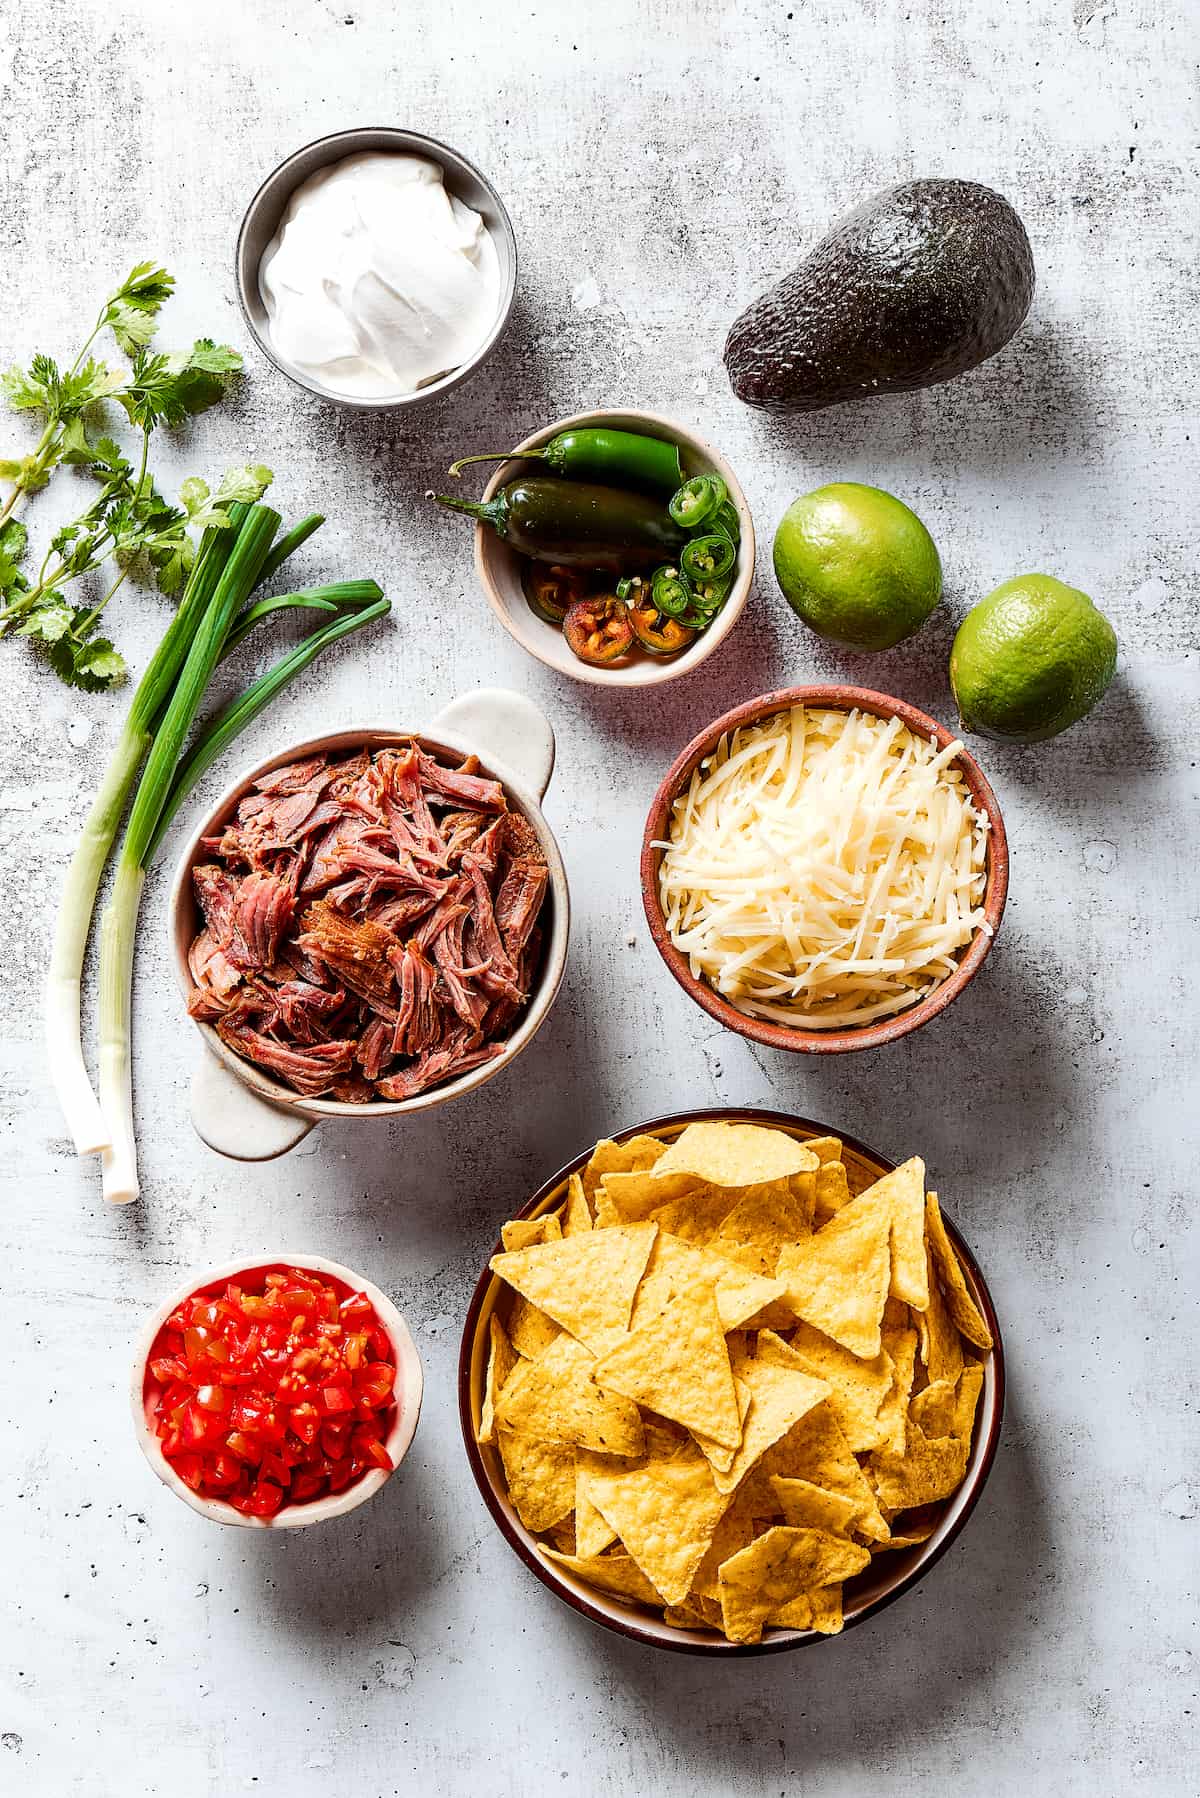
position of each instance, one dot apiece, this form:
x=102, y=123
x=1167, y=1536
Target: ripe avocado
x=913, y=287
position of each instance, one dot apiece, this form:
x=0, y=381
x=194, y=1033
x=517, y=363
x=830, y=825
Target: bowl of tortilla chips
x=731, y=1383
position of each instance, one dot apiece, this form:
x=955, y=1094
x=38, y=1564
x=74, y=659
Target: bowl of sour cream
x=376, y=267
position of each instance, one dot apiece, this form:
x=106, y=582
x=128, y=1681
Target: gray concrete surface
x=662, y=163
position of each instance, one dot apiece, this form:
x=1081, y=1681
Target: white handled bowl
x=237, y=1108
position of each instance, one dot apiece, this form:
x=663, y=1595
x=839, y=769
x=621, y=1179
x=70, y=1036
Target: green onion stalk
x=64, y=1045
x=142, y=841
x=118, y=926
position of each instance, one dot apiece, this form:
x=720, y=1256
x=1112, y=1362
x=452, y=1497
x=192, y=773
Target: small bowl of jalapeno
x=616, y=547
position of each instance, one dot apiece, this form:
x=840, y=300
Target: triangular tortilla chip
x=825, y=1148
x=585, y=1283
x=677, y=1364
x=820, y=1610
x=576, y=1216
x=901, y=1348
x=777, y=1567
x=959, y=1302
x=618, y=1574
x=943, y=1409
x=557, y=1400
x=931, y=1467
x=779, y=1397
x=858, y=1387
x=540, y=1478
x=593, y=1532
x=732, y=1155
x=697, y=1216
x=838, y=1279
x=525, y=1232
x=904, y=1189
x=832, y=1192
x=529, y=1330
x=632, y=1198
x=675, y=1265
x=610, y=1157
x=665, y=1513
x=719, y=1458
x=734, y=1532
x=502, y=1358
x=695, y=1613
x=941, y=1344
x=806, y=1506
x=766, y=1220
x=816, y=1449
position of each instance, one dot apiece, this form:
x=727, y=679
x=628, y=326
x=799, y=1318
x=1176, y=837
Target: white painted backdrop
x=662, y=163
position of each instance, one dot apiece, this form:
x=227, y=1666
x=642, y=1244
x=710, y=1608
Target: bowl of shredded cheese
x=824, y=869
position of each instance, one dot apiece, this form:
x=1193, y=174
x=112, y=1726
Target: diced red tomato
x=274, y=1391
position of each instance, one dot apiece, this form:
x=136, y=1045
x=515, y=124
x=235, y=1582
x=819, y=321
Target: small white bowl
x=409, y=1387
x=498, y=566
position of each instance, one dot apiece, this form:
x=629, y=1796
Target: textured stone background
x=662, y=163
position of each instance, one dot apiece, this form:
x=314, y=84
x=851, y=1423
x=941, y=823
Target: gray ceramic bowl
x=265, y=210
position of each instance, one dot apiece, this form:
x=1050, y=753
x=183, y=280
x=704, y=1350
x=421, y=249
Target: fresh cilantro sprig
x=129, y=521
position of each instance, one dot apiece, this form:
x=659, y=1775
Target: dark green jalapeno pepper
x=576, y=524
x=595, y=453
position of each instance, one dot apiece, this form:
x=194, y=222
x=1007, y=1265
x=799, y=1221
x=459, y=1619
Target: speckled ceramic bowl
x=499, y=567
x=143, y=1391
x=795, y=1037
x=889, y=1575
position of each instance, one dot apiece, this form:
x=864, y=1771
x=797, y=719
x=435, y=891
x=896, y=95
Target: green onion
x=64, y=988
x=119, y=924
x=213, y=618
x=339, y=596
x=219, y=734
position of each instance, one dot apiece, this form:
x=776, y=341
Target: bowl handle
x=235, y=1121
x=507, y=729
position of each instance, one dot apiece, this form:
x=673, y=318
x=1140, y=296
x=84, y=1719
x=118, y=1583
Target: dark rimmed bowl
x=266, y=209
x=794, y=1037
x=890, y=1575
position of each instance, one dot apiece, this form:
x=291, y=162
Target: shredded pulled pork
x=370, y=924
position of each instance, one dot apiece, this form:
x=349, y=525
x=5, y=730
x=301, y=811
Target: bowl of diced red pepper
x=278, y=1394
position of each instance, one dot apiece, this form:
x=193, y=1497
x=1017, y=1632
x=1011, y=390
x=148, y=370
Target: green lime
x=1031, y=659
x=857, y=565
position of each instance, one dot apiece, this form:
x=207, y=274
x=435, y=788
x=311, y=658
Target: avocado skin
x=914, y=287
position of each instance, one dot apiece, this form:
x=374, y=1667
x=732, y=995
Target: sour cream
x=378, y=281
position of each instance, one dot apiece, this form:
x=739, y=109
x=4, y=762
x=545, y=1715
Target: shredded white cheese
x=825, y=868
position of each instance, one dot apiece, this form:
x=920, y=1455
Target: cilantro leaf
x=247, y=484
x=132, y=311
x=13, y=539
x=91, y=666
x=32, y=389
x=50, y=621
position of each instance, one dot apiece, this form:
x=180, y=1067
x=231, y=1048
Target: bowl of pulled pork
x=370, y=923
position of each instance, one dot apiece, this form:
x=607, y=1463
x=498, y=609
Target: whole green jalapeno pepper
x=596, y=453
x=576, y=524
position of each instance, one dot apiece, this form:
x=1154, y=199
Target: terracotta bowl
x=499, y=567
x=795, y=1037
x=409, y=1384
x=888, y=1577
x=237, y=1108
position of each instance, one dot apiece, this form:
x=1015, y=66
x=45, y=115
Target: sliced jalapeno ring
x=725, y=519
x=670, y=592
x=598, y=630
x=697, y=500
x=658, y=634
x=709, y=596
x=708, y=558
x=550, y=589
x=629, y=588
